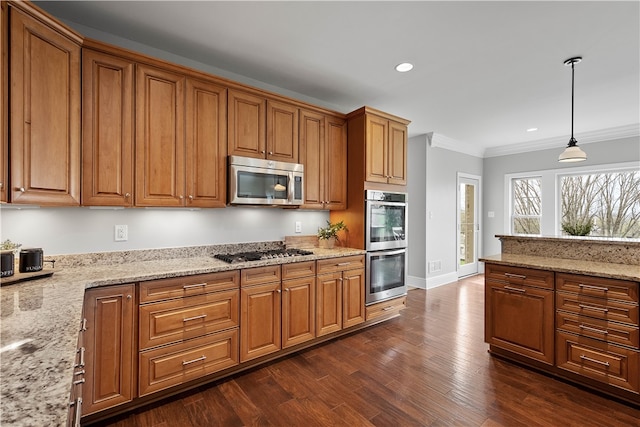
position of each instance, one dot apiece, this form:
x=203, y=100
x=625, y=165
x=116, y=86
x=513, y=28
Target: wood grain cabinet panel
x=377, y=146
x=247, y=124
x=206, y=144
x=520, y=319
x=298, y=310
x=282, y=132
x=323, y=152
x=353, y=298
x=176, y=364
x=107, y=123
x=397, y=154
x=160, y=150
x=45, y=113
x=110, y=347
x=4, y=103
x=260, y=320
x=178, y=287
x=329, y=303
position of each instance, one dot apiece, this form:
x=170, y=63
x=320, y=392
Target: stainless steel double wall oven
x=386, y=245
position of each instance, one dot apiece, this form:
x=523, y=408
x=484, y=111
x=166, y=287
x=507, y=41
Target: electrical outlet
x=121, y=233
x=298, y=226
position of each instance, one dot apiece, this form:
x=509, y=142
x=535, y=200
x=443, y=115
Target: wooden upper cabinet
x=206, y=144
x=107, y=130
x=282, y=132
x=336, y=168
x=377, y=144
x=247, y=128
x=323, y=152
x=261, y=128
x=4, y=104
x=160, y=148
x=45, y=112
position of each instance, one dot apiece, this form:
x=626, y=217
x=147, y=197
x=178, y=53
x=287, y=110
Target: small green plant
x=8, y=245
x=331, y=230
x=577, y=229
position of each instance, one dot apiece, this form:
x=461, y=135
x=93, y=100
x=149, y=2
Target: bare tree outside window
x=527, y=205
x=601, y=204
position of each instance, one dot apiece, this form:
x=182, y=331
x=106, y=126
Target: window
x=601, y=204
x=527, y=205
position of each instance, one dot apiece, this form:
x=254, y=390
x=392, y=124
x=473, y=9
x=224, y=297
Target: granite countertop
x=590, y=268
x=40, y=321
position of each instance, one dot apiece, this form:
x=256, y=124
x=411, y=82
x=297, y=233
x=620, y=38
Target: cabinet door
x=45, y=114
x=259, y=320
x=298, y=311
x=107, y=130
x=282, y=132
x=520, y=319
x=336, y=165
x=4, y=104
x=247, y=124
x=353, y=298
x=159, y=137
x=397, y=154
x=109, y=344
x=328, y=303
x=376, y=149
x=312, y=156
x=206, y=143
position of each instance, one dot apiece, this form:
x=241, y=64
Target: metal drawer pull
x=589, y=307
x=589, y=328
x=509, y=288
x=342, y=264
x=594, y=288
x=388, y=308
x=583, y=357
x=197, y=285
x=515, y=276
x=84, y=325
x=80, y=381
x=199, y=359
x=81, y=363
x=78, y=411
x=202, y=316
x=79, y=372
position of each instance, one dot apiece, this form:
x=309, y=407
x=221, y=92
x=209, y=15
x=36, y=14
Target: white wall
x=495, y=169
x=81, y=230
x=442, y=168
x=417, y=190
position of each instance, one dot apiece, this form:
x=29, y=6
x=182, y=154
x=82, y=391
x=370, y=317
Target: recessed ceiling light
x=404, y=67
x=532, y=129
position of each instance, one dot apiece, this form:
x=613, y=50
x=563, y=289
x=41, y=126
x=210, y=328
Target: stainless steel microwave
x=265, y=182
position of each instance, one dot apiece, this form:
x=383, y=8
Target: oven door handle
x=386, y=252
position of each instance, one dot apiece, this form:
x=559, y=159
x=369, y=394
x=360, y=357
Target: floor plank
x=430, y=367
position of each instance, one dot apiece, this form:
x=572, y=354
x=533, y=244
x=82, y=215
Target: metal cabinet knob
x=21, y=189
x=190, y=197
x=127, y=195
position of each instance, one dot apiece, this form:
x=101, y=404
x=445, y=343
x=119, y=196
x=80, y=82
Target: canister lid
x=31, y=250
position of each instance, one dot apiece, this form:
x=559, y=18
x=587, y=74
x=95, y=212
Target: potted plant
x=328, y=235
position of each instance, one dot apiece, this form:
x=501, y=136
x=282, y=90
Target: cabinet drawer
x=614, y=332
x=520, y=276
x=185, y=318
x=598, y=360
x=605, y=309
x=156, y=290
x=385, y=308
x=260, y=275
x=169, y=366
x=598, y=287
x=298, y=269
x=332, y=265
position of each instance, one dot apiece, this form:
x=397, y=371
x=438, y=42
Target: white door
x=468, y=224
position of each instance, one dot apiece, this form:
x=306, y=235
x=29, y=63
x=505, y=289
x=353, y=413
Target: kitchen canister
x=7, y=263
x=31, y=260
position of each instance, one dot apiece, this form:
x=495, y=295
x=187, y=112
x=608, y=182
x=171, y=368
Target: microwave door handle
x=290, y=187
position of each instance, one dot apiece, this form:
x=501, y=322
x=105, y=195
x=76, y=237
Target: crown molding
x=627, y=131
x=438, y=140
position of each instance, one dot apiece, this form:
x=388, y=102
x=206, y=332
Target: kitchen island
x=568, y=307
x=41, y=319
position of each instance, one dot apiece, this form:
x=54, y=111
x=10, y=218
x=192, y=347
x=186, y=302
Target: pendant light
x=572, y=153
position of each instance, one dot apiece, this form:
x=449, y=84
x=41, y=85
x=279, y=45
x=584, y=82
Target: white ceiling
x=484, y=71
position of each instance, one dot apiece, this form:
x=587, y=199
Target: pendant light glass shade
x=572, y=153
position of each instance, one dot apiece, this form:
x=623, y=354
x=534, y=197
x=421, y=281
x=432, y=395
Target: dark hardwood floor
x=430, y=367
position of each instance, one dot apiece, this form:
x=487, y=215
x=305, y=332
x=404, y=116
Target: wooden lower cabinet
x=260, y=320
x=386, y=308
x=298, y=310
x=109, y=347
x=176, y=364
x=520, y=318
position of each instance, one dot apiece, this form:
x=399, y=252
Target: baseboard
x=434, y=282
x=417, y=282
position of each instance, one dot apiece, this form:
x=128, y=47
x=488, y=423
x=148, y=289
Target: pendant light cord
x=572, y=79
